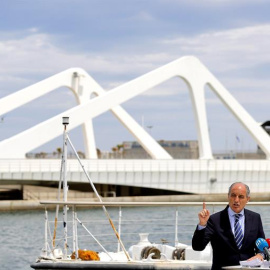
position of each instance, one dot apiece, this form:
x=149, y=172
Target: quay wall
x=16, y=205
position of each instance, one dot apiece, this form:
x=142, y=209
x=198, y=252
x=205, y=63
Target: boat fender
x=179, y=254
x=57, y=253
x=148, y=250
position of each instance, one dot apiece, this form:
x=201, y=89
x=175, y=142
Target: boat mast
x=58, y=199
x=65, y=187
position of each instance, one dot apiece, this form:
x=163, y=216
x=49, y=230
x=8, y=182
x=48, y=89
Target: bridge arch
x=188, y=68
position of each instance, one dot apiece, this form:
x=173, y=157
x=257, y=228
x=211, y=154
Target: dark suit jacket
x=218, y=232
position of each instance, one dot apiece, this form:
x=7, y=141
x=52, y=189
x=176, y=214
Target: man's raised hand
x=204, y=215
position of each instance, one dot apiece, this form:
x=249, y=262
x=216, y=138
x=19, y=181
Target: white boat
x=140, y=254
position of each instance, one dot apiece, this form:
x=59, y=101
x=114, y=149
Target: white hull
x=157, y=264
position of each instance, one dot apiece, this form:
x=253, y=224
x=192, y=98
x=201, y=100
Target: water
x=22, y=232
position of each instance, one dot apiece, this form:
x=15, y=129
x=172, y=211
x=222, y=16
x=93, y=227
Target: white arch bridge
x=162, y=172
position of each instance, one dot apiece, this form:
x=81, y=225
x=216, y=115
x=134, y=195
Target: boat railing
x=170, y=223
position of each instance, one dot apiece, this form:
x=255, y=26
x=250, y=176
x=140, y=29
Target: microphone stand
x=267, y=253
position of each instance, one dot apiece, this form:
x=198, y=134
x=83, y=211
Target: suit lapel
x=248, y=223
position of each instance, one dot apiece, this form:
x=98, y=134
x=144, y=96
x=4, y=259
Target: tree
x=59, y=151
x=81, y=154
x=119, y=147
x=98, y=153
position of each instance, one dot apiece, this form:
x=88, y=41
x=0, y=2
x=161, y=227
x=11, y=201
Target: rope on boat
x=104, y=208
x=94, y=238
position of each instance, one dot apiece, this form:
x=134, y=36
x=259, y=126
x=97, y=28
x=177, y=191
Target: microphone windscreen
x=261, y=244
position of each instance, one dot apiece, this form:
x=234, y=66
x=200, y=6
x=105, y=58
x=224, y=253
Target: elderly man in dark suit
x=232, y=232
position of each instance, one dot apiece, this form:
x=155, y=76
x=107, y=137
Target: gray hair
x=247, y=188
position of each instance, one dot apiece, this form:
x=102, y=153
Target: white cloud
x=223, y=51
x=33, y=30
x=229, y=49
x=37, y=54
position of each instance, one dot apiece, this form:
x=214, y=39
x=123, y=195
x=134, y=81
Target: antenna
x=65, y=122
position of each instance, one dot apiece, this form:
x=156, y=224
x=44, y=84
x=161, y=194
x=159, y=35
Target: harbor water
x=22, y=232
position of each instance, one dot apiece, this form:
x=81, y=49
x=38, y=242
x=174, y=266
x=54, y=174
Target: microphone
x=263, y=246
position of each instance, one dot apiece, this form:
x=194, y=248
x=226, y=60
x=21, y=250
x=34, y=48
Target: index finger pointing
x=204, y=205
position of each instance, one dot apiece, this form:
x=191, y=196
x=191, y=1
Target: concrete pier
x=16, y=205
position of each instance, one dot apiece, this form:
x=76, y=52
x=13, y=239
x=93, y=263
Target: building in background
x=177, y=149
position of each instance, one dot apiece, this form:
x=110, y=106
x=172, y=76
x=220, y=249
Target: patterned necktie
x=238, y=234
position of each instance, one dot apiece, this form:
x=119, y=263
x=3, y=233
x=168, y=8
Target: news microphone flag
x=263, y=246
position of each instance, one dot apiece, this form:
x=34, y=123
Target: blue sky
x=118, y=40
